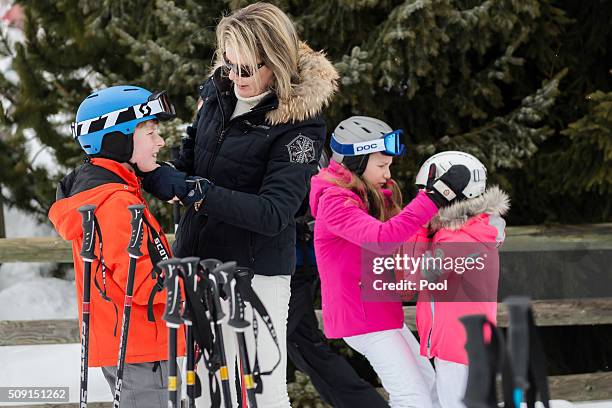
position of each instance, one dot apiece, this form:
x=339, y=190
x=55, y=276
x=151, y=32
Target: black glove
x=449, y=187
x=197, y=188
x=165, y=182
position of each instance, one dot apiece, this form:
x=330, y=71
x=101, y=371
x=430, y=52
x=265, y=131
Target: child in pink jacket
x=470, y=226
x=355, y=203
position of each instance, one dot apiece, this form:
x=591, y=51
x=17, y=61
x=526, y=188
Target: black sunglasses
x=243, y=71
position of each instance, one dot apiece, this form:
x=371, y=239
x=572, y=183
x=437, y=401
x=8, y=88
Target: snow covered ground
x=50, y=366
x=59, y=365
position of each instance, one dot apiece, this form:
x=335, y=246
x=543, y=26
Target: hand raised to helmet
x=447, y=188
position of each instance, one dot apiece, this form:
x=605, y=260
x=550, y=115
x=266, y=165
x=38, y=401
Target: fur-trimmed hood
x=493, y=201
x=318, y=81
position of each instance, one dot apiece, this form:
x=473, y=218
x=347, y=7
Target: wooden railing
x=519, y=239
x=567, y=312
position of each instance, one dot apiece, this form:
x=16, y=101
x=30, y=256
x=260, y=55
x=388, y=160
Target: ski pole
x=518, y=344
x=87, y=255
x=239, y=324
x=190, y=278
x=216, y=275
x=133, y=250
x=480, y=389
x=172, y=316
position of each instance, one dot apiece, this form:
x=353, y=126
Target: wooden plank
x=567, y=312
x=560, y=229
x=558, y=237
x=581, y=387
x=35, y=332
x=570, y=312
x=39, y=249
x=523, y=238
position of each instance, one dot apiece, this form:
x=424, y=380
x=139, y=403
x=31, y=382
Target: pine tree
x=75, y=46
x=445, y=72
x=592, y=130
x=502, y=79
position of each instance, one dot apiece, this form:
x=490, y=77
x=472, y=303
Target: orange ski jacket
x=112, y=188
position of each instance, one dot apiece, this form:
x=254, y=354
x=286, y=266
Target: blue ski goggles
x=390, y=144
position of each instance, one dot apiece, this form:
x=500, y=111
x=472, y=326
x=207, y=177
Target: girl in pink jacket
x=355, y=205
x=470, y=227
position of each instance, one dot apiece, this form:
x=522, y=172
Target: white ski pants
x=405, y=374
x=451, y=380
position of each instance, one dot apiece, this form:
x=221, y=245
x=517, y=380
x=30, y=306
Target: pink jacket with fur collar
x=471, y=221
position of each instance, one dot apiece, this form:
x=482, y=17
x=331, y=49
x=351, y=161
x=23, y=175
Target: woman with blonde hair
x=256, y=140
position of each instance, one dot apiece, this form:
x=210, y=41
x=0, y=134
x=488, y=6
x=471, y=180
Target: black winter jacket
x=260, y=164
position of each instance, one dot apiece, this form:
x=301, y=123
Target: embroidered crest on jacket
x=301, y=150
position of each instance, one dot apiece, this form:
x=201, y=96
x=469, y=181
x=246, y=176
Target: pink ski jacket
x=342, y=226
x=472, y=221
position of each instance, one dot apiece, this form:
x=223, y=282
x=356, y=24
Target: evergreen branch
x=506, y=142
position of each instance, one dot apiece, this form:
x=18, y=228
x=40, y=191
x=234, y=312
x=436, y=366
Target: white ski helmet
x=356, y=137
x=358, y=129
x=443, y=162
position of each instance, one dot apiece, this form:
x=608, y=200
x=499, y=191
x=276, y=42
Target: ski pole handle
x=89, y=237
x=172, y=314
x=477, y=392
x=136, y=210
x=216, y=279
x=244, y=275
x=236, y=317
x=189, y=268
x=518, y=343
x=209, y=264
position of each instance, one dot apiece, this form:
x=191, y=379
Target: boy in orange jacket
x=117, y=128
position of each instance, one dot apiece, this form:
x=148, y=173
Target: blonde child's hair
x=261, y=32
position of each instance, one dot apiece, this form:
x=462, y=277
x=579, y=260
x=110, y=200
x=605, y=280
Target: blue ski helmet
x=106, y=119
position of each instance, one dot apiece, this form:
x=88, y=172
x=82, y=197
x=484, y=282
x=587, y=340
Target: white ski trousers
x=451, y=380
x=406, y=375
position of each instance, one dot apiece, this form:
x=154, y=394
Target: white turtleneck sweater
x=246, y=104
